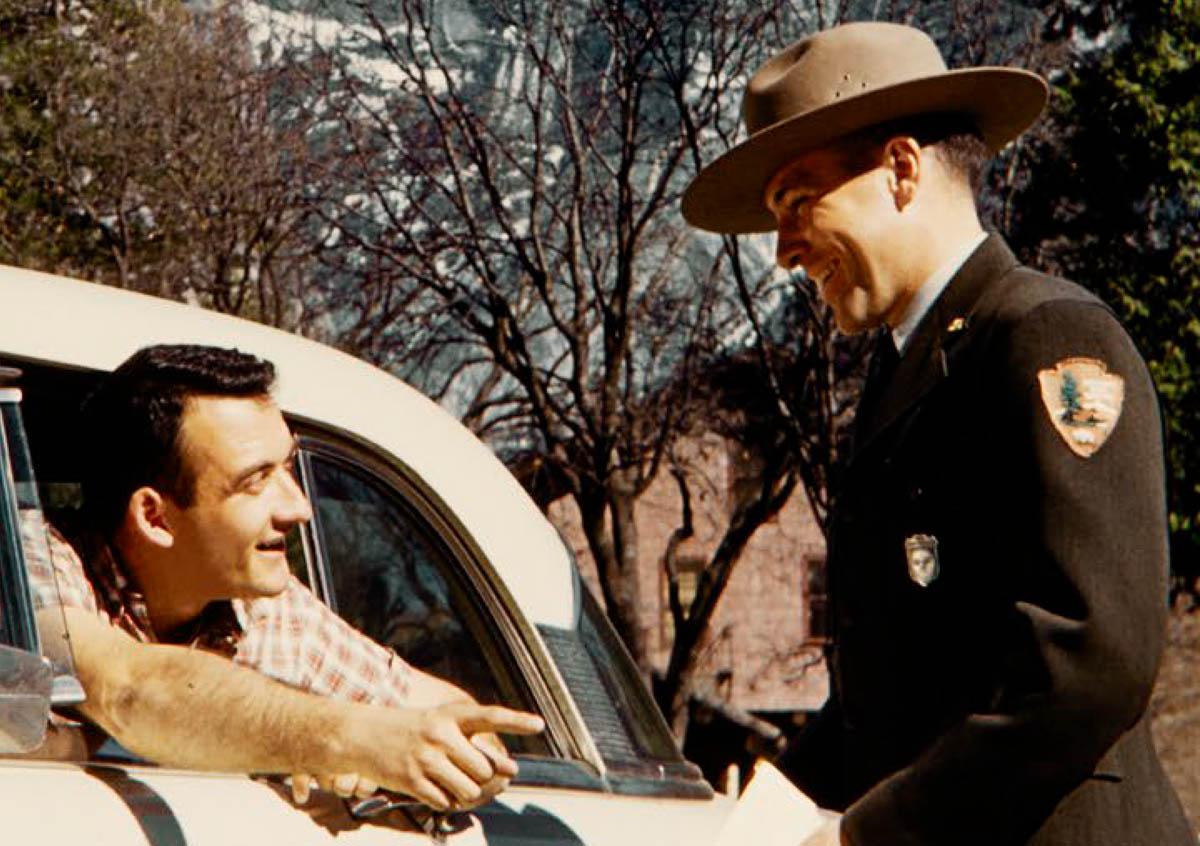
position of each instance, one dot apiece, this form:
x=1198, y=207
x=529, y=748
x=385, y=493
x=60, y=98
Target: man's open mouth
x=827, y=274
x=277, y=545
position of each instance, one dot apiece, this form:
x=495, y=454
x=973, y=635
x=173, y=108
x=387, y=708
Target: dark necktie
x=879, y=372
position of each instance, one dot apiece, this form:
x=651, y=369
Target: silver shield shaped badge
x=921, y=552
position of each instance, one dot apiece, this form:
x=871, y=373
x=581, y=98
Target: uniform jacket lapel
x=941, y=336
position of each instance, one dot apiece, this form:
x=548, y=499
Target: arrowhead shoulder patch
x=1084, y=402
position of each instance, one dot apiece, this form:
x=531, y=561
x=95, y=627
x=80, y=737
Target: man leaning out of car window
x=196, y=645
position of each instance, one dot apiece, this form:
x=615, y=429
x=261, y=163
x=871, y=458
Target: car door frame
x=579, y=764
x=565, y=728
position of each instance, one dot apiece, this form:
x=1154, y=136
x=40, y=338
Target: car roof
x=53, y=319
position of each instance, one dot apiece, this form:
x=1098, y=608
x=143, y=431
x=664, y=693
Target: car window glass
x=297, y=561
x=23, y=519
x=625, y=723
x=394, y=578
x=13, y=612
x=16, y=509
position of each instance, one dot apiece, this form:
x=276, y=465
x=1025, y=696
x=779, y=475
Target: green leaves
x=1115, y=205
x=141, y=146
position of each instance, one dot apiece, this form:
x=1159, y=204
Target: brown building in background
x=763, y=652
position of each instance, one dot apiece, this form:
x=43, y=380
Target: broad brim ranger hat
x=839, y=81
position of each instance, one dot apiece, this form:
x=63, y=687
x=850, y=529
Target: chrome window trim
x=581, y=765
x=314, y=549
x=566, y=731
x=22, y=629
x=642, y=775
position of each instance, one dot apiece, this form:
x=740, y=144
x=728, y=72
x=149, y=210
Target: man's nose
x=791, y=248
x=293, y=506
x=792, y=237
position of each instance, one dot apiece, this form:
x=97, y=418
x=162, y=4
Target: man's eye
x=255, y=483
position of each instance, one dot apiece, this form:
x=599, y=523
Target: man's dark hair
x=132, y=422
x=954, y=136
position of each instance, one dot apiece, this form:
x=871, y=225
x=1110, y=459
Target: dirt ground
x=1175, y=710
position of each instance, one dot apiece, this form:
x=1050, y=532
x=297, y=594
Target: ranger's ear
x=902, y=158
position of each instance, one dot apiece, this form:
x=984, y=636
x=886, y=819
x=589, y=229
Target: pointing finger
x=484, y=718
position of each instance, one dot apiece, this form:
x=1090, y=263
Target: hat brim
x=727, y=196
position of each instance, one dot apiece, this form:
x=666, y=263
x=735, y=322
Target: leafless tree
x=518, y=242
x=510, y=241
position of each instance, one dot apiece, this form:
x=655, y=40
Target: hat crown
x=838, y=82
x=834, y=65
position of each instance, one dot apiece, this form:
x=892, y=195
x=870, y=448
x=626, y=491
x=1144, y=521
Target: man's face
x=231, y=538
x=837, y=227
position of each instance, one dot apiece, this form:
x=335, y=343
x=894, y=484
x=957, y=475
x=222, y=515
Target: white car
x=421, y=538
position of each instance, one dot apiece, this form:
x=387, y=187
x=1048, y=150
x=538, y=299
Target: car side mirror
x=25, y=684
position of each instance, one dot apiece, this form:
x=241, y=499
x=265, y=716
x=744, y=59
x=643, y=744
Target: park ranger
x=997, y=552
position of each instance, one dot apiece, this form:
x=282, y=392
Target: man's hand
x=346, y=785
x=441, y=765
x=829, y=833
x=446, y=756
x=491, y=746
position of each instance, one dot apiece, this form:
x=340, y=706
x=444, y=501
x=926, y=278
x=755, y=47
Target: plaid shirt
x=293, y=637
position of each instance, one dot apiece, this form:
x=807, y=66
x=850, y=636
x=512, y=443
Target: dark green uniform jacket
x=997, y=564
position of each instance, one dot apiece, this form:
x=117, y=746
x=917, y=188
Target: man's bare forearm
x=188, y=708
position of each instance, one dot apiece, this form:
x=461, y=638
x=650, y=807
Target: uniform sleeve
x=1084, y=632
x=298, y=640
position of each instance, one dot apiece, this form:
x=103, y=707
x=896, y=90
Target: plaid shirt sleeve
x=56, y=574
x=296, y=639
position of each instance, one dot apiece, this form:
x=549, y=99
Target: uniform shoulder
x=1028, y=320
x=1039, y=320
x=1025, y=290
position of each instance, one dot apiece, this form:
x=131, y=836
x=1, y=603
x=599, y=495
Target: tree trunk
x=628, y=587
x=613, y=544
x=676, y=688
